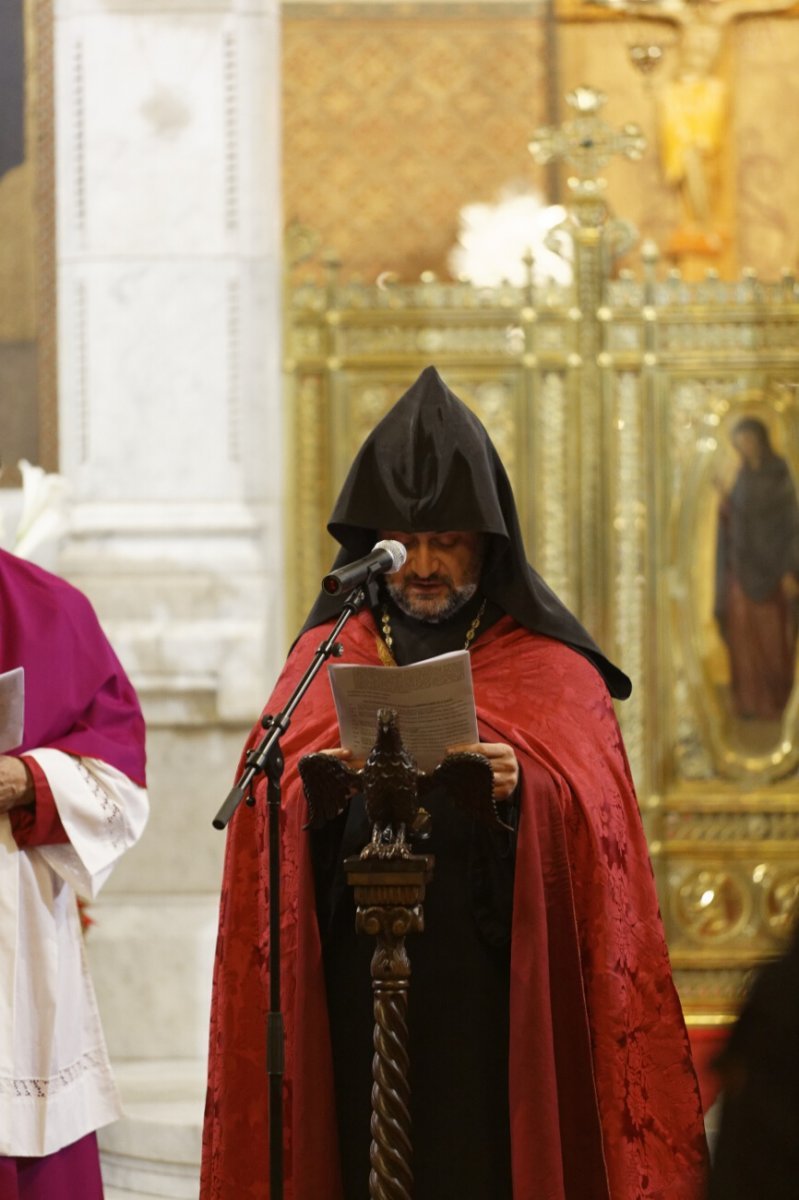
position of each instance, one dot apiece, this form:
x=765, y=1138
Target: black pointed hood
x=428, y=465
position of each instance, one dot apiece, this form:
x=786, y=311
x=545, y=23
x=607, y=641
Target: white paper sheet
x=434, y=700
x=12, y=708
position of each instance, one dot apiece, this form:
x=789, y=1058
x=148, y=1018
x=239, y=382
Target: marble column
x=169, y=237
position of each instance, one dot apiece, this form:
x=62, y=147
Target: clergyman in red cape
x=549, y=1056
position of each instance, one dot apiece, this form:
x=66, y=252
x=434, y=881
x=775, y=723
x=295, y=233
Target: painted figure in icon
x=757, y=575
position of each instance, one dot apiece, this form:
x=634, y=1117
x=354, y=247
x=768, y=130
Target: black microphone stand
x=267, y=758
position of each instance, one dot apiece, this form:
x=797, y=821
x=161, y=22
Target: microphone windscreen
x=397, y=551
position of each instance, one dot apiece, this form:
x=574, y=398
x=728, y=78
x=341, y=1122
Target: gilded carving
x=712, y=906
x=367, y=404
x=308, y=488
x=716, y=990
x=554, y=545
x=731, y=825
x=780, y=896
x=629, y=516
x=553, y=338
x=737, y=903
x=493, y=403
x=691, y=758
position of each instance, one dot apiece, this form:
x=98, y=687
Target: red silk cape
x=603, y=1097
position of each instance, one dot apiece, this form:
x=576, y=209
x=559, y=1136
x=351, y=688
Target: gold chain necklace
x=471, y=632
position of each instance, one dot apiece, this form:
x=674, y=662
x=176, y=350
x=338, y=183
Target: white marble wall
x=169, y=235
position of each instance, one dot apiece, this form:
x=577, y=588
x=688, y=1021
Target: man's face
x=440, y=574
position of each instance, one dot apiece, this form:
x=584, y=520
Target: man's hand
x=345, y=756
x=16, y=783
x=503, y=764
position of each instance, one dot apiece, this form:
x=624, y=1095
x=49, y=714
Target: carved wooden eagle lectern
x=394, y=789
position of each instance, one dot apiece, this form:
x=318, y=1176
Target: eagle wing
x=469, y=780
x=328, y=785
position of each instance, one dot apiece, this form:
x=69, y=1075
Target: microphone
x=385, y=556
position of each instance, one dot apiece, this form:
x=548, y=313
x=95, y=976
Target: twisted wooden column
x=388, y=895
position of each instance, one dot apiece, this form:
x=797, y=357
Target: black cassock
x=458, y=1008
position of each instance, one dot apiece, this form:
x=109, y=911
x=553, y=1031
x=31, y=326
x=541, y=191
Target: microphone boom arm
x=257, y=760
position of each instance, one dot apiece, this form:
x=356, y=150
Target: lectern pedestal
x=388, y=894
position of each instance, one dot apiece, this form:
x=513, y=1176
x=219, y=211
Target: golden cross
x=586, y=142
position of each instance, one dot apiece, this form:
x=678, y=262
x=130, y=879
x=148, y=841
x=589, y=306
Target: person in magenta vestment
x=549, y=1057
x=757, y=576
x=72, y=800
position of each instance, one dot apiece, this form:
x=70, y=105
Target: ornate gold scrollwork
x=712, y=905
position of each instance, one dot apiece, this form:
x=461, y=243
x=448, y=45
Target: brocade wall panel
x=392, y=124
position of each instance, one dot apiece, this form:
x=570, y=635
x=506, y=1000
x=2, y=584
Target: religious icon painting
x=739, y=584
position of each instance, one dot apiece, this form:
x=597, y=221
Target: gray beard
x=455, y=601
